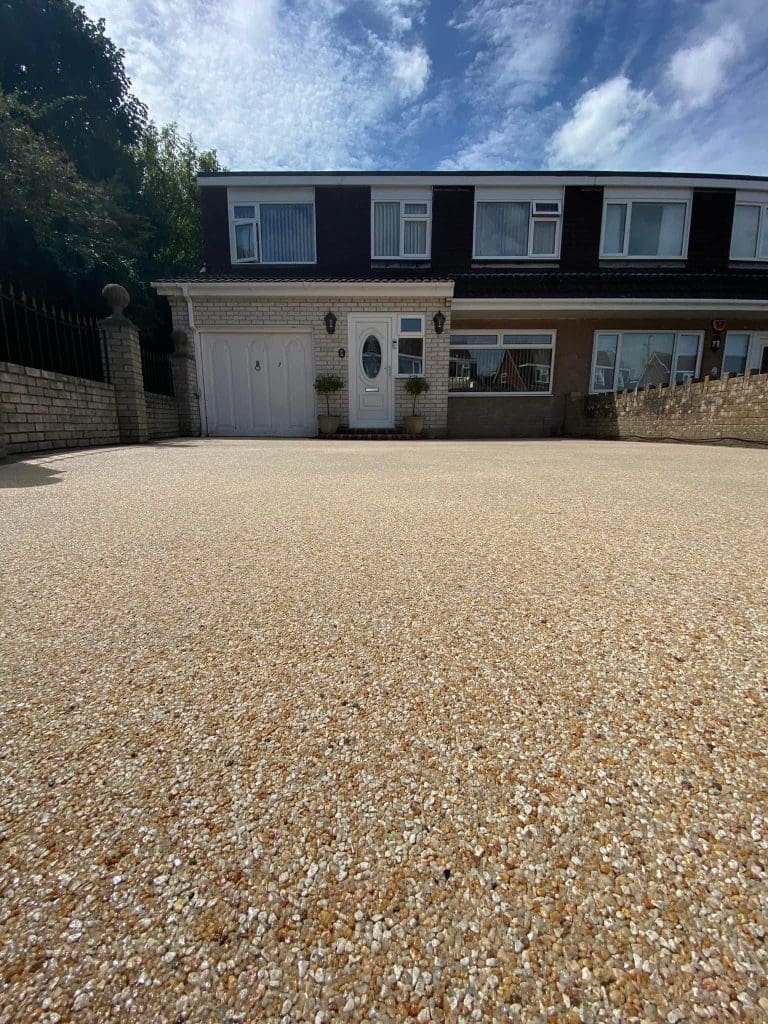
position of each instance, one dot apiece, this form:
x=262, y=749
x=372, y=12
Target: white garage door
x=259, y=385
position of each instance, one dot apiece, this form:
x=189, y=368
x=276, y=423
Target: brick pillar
x=121, y=338
x=184, y=372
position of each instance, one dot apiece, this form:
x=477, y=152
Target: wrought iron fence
x=156, y=368
x=36, y=334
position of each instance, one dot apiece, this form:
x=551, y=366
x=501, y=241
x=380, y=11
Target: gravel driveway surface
x=303, y=731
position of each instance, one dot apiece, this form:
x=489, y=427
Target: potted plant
x=415, y=386
x=327, y=384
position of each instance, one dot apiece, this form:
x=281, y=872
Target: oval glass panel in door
x=371, y=356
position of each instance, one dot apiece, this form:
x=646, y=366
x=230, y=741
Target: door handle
x=258, y=365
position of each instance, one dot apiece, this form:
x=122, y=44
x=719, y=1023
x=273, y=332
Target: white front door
x=258, y=385
x=371, y=390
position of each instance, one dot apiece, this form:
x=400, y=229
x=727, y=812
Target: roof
x=518, y=177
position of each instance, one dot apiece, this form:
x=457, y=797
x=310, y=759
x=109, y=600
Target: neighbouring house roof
x=500, y=177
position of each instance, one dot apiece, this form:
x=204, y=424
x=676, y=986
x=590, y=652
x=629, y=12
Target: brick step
x=363, y=435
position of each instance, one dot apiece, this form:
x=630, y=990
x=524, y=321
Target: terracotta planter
x=413, y=424
x=328, y=424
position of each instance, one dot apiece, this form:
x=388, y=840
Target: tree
x=54, y=222
x=54, y=56
x=90, y=191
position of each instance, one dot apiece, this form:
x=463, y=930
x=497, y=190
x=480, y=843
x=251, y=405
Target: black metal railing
x=156, y=368
x=36, y=334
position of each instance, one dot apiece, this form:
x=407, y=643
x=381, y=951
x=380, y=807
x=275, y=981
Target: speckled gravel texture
x=454, y=731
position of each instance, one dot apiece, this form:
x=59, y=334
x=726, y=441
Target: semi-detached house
x=507, y=291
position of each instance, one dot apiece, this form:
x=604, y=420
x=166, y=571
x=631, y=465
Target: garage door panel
x=257, y=374
x=258, y=385
x=221, y=403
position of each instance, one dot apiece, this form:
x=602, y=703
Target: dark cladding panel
x=343, y=220
x=453, y=211
x=709, y=241
x=215, y=216
x=582, y=221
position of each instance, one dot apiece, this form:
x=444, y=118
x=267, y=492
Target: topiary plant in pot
x=328, y=384
x=415, y=386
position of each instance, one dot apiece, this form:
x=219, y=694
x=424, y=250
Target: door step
x=368, y=435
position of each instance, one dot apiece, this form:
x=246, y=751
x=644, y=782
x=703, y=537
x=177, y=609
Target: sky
x=674, y=85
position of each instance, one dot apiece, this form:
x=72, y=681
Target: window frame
x=759, y=199
x=620, y=333
x=267, y=197
x=497, y=346
x=404, y=198
x=656, y=196
x=515, y=195
x=410, y=335
x=758, y=340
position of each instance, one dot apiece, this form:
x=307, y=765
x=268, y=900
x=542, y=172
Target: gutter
x=184, y=288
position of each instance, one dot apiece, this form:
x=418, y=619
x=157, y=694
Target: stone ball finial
x=116, y=297
x=180, y=340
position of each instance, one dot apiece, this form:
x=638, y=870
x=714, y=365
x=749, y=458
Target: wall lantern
x=439, y=321
x=718, y=326
x=330, y=322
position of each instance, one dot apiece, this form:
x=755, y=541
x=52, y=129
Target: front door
x=371, y=392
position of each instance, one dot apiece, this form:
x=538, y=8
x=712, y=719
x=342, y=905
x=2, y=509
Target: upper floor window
x=512, y=225
x=272, y=225
x=749, y=238
x=401, y=223
x=650, y=225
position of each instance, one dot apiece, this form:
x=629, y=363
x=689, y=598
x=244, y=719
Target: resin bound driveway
x=302, y=731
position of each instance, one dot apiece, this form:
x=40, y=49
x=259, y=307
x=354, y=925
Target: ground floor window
x=502, y=362
x=410, y=345
x=625, y=360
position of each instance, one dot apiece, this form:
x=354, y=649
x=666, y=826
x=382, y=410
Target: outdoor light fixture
x=718, y=326
x=330, y=322
x=439, y=321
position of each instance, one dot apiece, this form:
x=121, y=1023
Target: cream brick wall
x=734, y=408
x=307, y=314
x=43, y=410
x=162, y=415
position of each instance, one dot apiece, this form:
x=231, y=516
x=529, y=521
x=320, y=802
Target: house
x=507, y=290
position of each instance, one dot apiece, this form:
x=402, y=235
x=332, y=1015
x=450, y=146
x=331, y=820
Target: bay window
x=501, y=363
x=749, y=237
x=645, y=227
x=510, y=224
x=272, y=226
x=401, y=223
x=625, y=360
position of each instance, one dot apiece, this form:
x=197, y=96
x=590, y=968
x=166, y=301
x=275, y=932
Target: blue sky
x=474, y=84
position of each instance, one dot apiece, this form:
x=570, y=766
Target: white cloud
x=410, y=68
x=521, y=46
x=700, y=72
x=271, y=84
x=602, y=121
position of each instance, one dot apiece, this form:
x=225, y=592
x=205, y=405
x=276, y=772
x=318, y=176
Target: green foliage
x=90, y=191
x=416, y=386
x=326, y=384
x=46, y=205
x=52, y=54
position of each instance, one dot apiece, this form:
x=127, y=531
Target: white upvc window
x=401, y=223
x=625, y=360
x=749, y=237
x=745, y=350
x=275, y=226
x=503, y=362
x=410, y=345
x=512, y=224
x=649, y=224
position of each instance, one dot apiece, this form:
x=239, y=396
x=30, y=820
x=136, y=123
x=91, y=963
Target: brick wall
x=735, y=408
x=308, y=314
x=43, y=410
x=162, y=415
